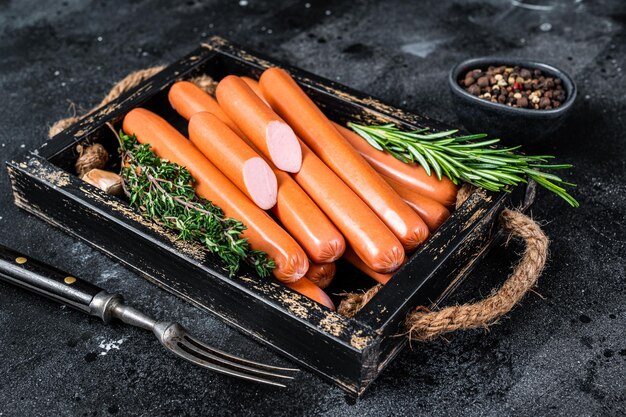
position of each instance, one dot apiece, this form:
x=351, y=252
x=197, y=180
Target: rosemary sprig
x=468, y=158
x=163, y=192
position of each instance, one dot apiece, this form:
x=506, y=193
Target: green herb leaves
x=163, y=192
x=469, y=158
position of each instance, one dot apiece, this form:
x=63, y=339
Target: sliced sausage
x=269, y=133
x=231, y=155
x=262, y=232
x=308, y=121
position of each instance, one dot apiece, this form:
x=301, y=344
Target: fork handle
x=46, y=280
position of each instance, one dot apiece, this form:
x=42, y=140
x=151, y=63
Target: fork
x=57, y=285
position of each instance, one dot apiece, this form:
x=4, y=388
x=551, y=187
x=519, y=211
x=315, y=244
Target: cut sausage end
x=283, y=146
x=261, y=182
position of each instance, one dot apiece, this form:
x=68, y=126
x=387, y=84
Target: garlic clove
x=107, y=181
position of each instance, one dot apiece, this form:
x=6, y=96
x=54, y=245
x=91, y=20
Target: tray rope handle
x=424, y=325
x=421, y=323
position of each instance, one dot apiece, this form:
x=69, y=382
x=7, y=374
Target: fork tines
x=208, y=357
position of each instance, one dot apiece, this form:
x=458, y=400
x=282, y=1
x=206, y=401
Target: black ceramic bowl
x=513, y=125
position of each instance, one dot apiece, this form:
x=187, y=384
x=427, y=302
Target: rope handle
x=425, y=325
x=421, y=324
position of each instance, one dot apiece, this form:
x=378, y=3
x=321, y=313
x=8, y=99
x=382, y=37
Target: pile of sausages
x=309, y=191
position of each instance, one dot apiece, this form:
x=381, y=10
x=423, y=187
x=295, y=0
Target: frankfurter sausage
x=352, y=258
x=269, y=133
x=288, y=99
x=237, y=161
x=321, y=274
x=312, y=291
x=295, y=210
x=262, y=232
x=432, y=212
x=188, y=99
x=412, y=176
x=254, y=86
x=362, y=229
x=304, y=220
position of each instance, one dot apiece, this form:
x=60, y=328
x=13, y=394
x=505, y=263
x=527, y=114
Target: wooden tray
x=349, y=352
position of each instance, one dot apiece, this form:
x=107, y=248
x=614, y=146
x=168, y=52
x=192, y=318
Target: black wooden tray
x=349, y=352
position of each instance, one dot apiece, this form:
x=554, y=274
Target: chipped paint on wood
x=295, y=305
x=58, y=178
x=358, y=341
x=332, y=324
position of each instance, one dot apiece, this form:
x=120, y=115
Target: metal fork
x=53, y=283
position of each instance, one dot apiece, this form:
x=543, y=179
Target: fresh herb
x=163, y=192
x=466, y=158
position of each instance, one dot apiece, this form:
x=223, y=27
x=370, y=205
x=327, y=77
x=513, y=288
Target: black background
x=561, y=352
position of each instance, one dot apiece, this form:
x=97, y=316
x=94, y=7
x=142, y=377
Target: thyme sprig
x=467, y=158
x=163, y=192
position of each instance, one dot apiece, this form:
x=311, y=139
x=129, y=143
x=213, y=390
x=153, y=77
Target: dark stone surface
x=562, y=352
